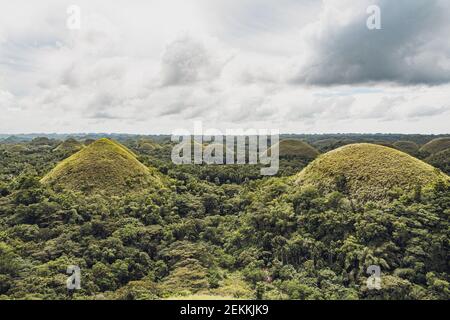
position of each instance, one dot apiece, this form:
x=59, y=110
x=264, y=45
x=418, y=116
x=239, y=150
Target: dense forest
x=339, y=204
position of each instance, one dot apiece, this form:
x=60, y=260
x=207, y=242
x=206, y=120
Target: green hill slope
x=297, y=148
x=69, y=146
x=408, y=147
x=147, y=145
x=105, y=166
x=440, y=160
x=326, y=145
x=368, y=172
x=436, y=145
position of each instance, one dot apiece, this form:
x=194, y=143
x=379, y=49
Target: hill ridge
x=104, y=166
x=297, y=148
x=369, y=171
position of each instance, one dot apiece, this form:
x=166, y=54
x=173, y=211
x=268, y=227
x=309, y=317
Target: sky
x=300, y=66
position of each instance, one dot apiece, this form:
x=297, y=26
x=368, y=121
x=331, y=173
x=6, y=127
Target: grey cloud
x=104, y=115
x=384, y=109
x=322, y=108
x=173, y=109
x=408, y=50
x=400, y=108
x=426, y=111
x=183, y=101
x=185, y=61
x=251, y=108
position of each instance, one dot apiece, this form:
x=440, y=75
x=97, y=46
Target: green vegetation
x=146, y=146
x=440, y=160
x=408, y=147
x=69, y=147
x=104, y=166
x=326, y=145
x=313, y=244
x=291, y=148
x=88, y=141
x=11, y=140
x=215, y=232
x=42, y=141
x=436, y=145
x=368, y=172
x=17, y=148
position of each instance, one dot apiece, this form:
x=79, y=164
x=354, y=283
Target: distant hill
x=380, y=143
x=12, y=140
x=440, y=160
x=326, y=145
x=436, y=145
x=408, y=147
x=147, y=145
x=69, y=146
x=104, y=166
x=42, y=141
x=17, y=148
x=368, y=171
x=89, y=141
x=297, y=148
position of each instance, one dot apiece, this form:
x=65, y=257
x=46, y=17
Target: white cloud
x=187, y=60
x=152, y=66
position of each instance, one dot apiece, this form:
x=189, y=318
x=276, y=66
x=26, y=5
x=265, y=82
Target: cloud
x=6, y=99
x=426, y=111
x=156, y=65
x=384, y=109
x=187, y=60
x=408, y=50
x=103, y=115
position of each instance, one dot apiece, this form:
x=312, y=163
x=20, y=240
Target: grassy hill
x=368, y=172
x=104, y=166
x=326, y=145
x=88, y=141
x=297, y=148
x=69, y=146
x=440, y=160
x=147, y=145
x=16, y=148
x=408, y=147
x=436, y=145
x=42, y=141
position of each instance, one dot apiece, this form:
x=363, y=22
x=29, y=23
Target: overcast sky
x=302, y=66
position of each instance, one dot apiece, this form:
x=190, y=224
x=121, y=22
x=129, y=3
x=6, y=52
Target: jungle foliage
x=214, y=232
